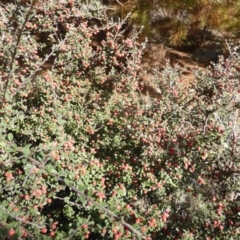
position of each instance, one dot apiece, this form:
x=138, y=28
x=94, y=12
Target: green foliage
x=85, y=156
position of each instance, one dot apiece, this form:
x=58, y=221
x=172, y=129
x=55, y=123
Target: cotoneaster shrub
x=85, y=156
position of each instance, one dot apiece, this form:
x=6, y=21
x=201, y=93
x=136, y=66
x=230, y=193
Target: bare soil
x=155, y=56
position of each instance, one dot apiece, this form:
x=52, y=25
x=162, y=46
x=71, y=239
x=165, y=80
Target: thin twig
x=234, y=138
x=73, y=204
x=82, y=195
x=3, y=16
x=119, y=3
x=85, y=197
x=4, y=225
x=38, y=68
x=205, y=125
x=16, y=47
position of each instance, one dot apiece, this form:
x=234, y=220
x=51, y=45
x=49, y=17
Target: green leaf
x=4, y=203
x=9, y=149
x=51, y=169
x=82, y=188
x=135, y=226
x=10, y=137
x=67, y=182
x=71, y=176
x=26, y=150
x=82, y=200
x=2, y=144
x=113, y=208
x=90, y=192
x=3, y=214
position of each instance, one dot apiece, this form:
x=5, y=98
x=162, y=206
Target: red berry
x=43, y=230
x=11, y=232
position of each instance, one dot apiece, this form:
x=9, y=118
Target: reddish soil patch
x=155, y=56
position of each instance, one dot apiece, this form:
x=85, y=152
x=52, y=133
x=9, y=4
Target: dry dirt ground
x=155, y=55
